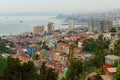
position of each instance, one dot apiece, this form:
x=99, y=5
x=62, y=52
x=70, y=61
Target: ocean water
x=12, y=25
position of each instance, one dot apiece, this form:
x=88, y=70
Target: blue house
x=31, y=50
x=47, y=55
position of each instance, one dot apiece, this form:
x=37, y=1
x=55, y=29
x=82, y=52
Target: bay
x=18, y=24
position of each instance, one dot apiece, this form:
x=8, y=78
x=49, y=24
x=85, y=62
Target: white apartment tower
x=71, y=24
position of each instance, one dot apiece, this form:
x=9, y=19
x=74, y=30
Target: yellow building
x=39, y=29
x=42, y=56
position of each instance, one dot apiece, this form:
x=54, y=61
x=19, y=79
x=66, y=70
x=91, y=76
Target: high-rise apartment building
x=51, y=27
x=101, y=26
x=39, y=29
x=107, y=25
x=93, y=26
x=71, y=24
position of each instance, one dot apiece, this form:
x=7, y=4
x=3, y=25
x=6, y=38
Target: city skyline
x=26, y=6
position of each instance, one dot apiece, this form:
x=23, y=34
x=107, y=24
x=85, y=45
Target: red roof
x=23, y=55
x=78, y=35
x=108, y=66
x=82, y=40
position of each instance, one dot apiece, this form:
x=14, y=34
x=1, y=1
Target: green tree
x=117, y=75
x=60, y=41
x=29, y=72
x=12, y=70
x=3, y=65
x=46, y=47
x=102, y=44
x=51, y=74
x=117, y=48
x=98, y=60
x=90, y=45
x=99, y=47
x=47, y=73
x=100, y=37
x=74, y=69
x=18, y=71
x=43, y=70
x=113, y=30
x=35, y=56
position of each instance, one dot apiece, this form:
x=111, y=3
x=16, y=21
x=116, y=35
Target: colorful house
x=22, y=56
x=63, y=56
x=31, y=49
x=111, y=59
x=57, y=56
x=42, y=54
x=80, y=42
x=63, y=47
x=77, y=36
x=111, y=71
x=47, y=55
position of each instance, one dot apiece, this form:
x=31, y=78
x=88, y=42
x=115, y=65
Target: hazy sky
x=56, y=5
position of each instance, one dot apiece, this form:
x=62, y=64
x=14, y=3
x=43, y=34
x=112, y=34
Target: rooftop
x=112, y=70
x=105, y=77
x=112, y=57
x=91, y=74
x=82, y=40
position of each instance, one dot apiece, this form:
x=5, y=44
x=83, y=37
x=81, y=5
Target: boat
x=21, y=21
x=6, y=17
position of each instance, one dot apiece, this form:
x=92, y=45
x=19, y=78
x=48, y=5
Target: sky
x=19, y=6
